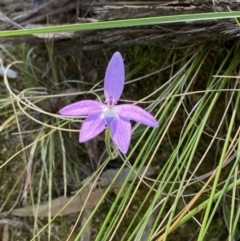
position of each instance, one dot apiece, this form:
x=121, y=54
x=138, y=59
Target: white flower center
x=109, y=112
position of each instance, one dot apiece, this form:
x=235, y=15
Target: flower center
x=109, y=110
x=110, y=102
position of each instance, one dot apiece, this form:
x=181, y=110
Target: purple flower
x=116, y=117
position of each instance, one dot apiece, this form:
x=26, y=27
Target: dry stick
x=187, y=208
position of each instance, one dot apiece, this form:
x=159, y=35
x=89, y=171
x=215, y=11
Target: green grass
x=123, y=23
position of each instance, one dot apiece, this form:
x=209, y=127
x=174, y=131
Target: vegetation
x=48, y=178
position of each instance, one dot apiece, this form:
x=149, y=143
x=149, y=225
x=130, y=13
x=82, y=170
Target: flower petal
x=121, y=134
x=91, y=127
x=136, y=113
x=84, y=107
x=114, y=77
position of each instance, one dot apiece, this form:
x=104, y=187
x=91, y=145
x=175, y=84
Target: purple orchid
x=116, y=117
